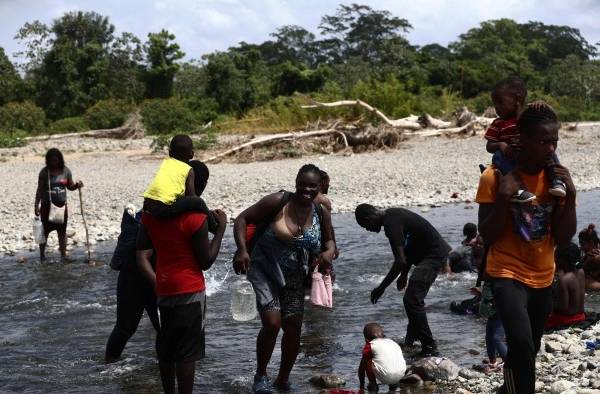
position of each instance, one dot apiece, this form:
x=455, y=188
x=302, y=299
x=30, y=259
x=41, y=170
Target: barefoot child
x=382, y=359
x=172, y=190
x=503, y=135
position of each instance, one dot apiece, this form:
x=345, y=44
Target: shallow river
x=55, y=318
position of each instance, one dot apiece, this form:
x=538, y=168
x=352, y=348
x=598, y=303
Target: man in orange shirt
x=521, y=240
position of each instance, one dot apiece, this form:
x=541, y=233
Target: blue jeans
x=506, y=165
x=494, y=338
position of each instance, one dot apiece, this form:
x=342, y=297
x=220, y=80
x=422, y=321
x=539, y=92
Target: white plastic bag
x=38, y=231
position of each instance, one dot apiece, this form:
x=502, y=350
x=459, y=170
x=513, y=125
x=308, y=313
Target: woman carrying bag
x=51, y=199
x=289, y=237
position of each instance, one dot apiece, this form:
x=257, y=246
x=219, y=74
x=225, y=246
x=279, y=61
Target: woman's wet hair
x=512, y=85
x=54, y=152
x=569, y=256
x=470, y=230
x=589, y=234
x=307, y=168
x=534, y=117
x=201, y=175
x=364, y=210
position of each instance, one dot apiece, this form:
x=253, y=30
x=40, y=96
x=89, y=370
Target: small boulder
x=436, y=368
x=553, y=347
x=412, y=379
x=560, y=386
x=469, y=374
x=327, y=381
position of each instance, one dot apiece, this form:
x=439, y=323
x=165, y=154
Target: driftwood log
x=390, y=134
x=404, y=123
x=131, y=129
x=276, y=138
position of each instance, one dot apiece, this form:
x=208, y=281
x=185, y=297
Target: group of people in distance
x=526, y=220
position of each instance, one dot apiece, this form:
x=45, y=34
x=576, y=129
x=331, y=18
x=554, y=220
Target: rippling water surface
x=55, y=318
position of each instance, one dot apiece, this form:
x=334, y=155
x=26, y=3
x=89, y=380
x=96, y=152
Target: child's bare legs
x=371, y=376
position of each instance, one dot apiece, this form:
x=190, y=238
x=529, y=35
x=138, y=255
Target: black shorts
x=181, y=337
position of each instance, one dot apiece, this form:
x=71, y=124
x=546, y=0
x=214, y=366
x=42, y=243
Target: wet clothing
x=291, y=298
x=169, y=182
x=523, y=311
x=134, y=295
x=58, y=186
x=525, y=250
x=494, y=338
x=274, y=262
x=388, y=362
x=424, y=248
x=182, y=335
x=177, y=271
x=421, y=241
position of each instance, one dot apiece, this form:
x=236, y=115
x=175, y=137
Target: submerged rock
x=327, y=381
x=436, y=368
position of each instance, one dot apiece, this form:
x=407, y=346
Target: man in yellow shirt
x=521, y=240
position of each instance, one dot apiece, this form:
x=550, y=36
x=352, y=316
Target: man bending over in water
x=414, y=241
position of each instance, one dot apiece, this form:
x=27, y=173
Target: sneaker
x=522, y=196
x=262, y=385
x=558, y=188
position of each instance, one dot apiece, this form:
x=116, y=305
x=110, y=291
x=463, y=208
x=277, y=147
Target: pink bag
x=321, y=292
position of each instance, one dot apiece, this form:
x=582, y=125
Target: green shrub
x=25, y=116
x=69, y=125
x=108, y=114
x=13, y=140
x=164, y=116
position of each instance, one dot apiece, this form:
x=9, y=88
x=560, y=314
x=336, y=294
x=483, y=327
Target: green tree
x=9, y=79
x=124, y=74
x=190, y=80
x=161, y=55
x=488, y=53
x=72, y=74
x=360, y=31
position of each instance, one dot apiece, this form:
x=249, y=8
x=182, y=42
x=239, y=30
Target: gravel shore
x=423, y=172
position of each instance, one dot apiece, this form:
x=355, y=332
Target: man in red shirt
x=182, y=251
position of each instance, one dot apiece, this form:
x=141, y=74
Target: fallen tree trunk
x=276, y=138
x=402, y=123
x=132, y=128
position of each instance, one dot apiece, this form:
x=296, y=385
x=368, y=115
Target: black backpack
x=124, y=254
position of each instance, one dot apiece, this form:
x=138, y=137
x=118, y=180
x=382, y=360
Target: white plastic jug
x=38, y=231
x=243, y=300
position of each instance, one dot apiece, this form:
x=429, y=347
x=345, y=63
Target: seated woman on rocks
x=590, y=246
x=569, y=288
x=292, y=233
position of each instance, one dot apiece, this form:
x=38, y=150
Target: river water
x=55, y=318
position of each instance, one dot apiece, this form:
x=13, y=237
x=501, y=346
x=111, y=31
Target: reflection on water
x=55, y=319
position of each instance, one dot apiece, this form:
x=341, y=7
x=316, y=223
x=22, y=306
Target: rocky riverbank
x=567, y=363
x=423, y=172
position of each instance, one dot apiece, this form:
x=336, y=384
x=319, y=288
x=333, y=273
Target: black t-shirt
x=418, y=237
